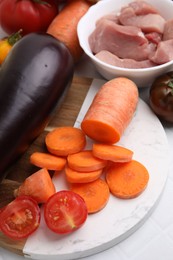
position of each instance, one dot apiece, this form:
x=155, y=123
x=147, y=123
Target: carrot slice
x=111, y=110
x=66, y=140
x=39, y=185
x=127, y=180
x=95, y=194
x=85, y=161
x=64, y=26
x=73, y=176
x=48, y=161
x=112, y=153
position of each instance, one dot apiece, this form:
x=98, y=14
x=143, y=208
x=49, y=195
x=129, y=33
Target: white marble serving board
x=120, y=218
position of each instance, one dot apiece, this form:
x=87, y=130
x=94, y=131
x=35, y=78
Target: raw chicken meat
x=112, y=59
x=154, y=37
x=142, y=7
x=148, y=22
x=110, y=17
x=164, y=52
x=136, y=37
x=168, y=30
x=123, y=41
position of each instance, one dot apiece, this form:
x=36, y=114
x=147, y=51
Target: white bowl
x=142, y=77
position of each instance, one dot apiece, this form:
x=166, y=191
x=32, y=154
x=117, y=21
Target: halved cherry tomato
x=65, y=211
x=20, y=218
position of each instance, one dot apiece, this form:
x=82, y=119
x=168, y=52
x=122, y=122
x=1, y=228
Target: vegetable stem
x=13, y=38
x=41, y=2
x=170, y=83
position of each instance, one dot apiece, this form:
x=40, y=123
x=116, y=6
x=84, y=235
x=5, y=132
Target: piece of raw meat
x=168, y=30
x=123, y=41
x=164, y=52
x=147, y=23
x=112, y=59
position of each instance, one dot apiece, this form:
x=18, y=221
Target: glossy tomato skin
x=161, y=97
x=65, y=211
x=20, y=218
x=28, y=15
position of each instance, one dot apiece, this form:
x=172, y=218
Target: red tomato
x=28, y=15
x=20, y=218
x=1, y=209
x=65, y=211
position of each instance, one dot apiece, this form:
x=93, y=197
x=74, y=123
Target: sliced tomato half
x=65, y=211
x=20, y=218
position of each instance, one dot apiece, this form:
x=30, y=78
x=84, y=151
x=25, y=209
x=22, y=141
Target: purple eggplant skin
x=34, y=79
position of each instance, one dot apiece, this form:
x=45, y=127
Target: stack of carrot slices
x=94, y=173
x=105, y=168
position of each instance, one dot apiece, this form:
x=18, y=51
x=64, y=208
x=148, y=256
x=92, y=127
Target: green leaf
x=170, y=84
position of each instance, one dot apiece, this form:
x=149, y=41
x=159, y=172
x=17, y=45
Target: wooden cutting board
x=65, y=115
x=123, y=217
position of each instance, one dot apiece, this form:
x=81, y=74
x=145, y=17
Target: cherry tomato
x=20, y=218
x=65, y=211
x=6, y=45
x=28, y=15
x=161, y=96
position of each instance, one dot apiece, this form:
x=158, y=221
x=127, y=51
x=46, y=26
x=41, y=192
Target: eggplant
x=34, y=79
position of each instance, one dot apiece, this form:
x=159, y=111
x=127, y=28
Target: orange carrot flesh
x=127, y=180
x=112, y=153
x=65, y=140
x=85, y=162
x=39, y=185
x=73, y=176
x=48, y=161
x=95, y=194
x=64, y=26
x=111, y=111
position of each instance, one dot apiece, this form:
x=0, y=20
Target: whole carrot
x=111, y=110
x=64, y=26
